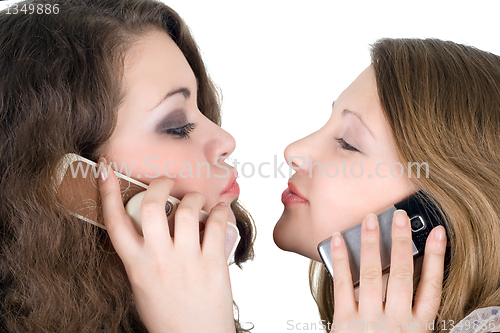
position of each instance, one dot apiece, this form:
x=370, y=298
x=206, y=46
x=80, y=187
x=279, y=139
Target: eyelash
x=181, y=132
x=344, y=145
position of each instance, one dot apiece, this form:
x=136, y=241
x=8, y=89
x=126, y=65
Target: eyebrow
x=346, y=111
x=184, y=91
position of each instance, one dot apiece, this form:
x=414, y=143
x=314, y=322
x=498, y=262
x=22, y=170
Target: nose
x=220, y=144
x=299, y=154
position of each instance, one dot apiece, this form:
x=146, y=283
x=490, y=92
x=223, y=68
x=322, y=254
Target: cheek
x=182, y=160
x=334, y=206
x=147, y=159
x=339, y=203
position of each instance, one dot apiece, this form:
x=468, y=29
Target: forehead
x=361, y=97
x=148, y=44
x=153, y=65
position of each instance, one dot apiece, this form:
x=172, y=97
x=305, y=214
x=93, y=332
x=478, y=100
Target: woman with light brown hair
x=123, y=80
x=420, y=101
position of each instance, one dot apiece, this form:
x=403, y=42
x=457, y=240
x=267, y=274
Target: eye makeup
x=175, y=123
x=174, y=119
x=181, y=132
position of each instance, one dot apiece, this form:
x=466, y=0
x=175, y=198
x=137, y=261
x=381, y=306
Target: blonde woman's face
x=343, y=171
x=161, y=132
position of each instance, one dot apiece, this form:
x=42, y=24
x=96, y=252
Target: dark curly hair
x=60, y=87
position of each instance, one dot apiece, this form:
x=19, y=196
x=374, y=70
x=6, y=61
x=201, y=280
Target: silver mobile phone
x=423, y=215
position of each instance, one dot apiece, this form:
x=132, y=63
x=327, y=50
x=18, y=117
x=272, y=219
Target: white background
x=280, y=65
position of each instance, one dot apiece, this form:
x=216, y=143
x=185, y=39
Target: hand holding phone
x=400, y=310
x=79, y=191
x=172, y=278
x=423, y=218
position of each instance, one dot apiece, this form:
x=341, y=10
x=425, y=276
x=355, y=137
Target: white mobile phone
x=423, y=218
x=78, y=188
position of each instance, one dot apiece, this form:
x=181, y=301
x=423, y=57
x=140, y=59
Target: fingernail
x=371, y=221
x=222, y=204
x=336, y=239
x=400, y=217
x=103, y=173
x=440, y=234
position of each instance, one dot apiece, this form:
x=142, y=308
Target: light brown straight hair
x=442, y=102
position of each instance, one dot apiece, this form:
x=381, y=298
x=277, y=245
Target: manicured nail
x=440, y=234
x=400, y=217
x=371, y=221
x=336, y=239
x=103, y=173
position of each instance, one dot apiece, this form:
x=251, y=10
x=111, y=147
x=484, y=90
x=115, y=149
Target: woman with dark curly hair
x=123, y=80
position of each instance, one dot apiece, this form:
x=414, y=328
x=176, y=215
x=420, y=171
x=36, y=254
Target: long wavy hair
x=60, y=87
x=442, y=103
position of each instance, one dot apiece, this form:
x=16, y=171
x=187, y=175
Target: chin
x=291, y=239
x=281, y=232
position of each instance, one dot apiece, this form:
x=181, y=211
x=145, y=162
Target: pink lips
x=291, y=196
x=232, y=188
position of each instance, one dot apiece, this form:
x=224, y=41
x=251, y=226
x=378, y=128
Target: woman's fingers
x=344, y=301
x=187, y=223
x=124, y=237
x=153, y=216
x=428, y=294
x=400, y=286
x=370, y=274
x=398, y=308
x=214, y=239
x=165, y=272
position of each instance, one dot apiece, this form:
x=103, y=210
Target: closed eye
x=344, y=145
x=181, y=132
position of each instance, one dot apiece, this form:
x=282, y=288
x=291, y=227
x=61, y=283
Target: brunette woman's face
x=161, y=132
x=355, y=177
